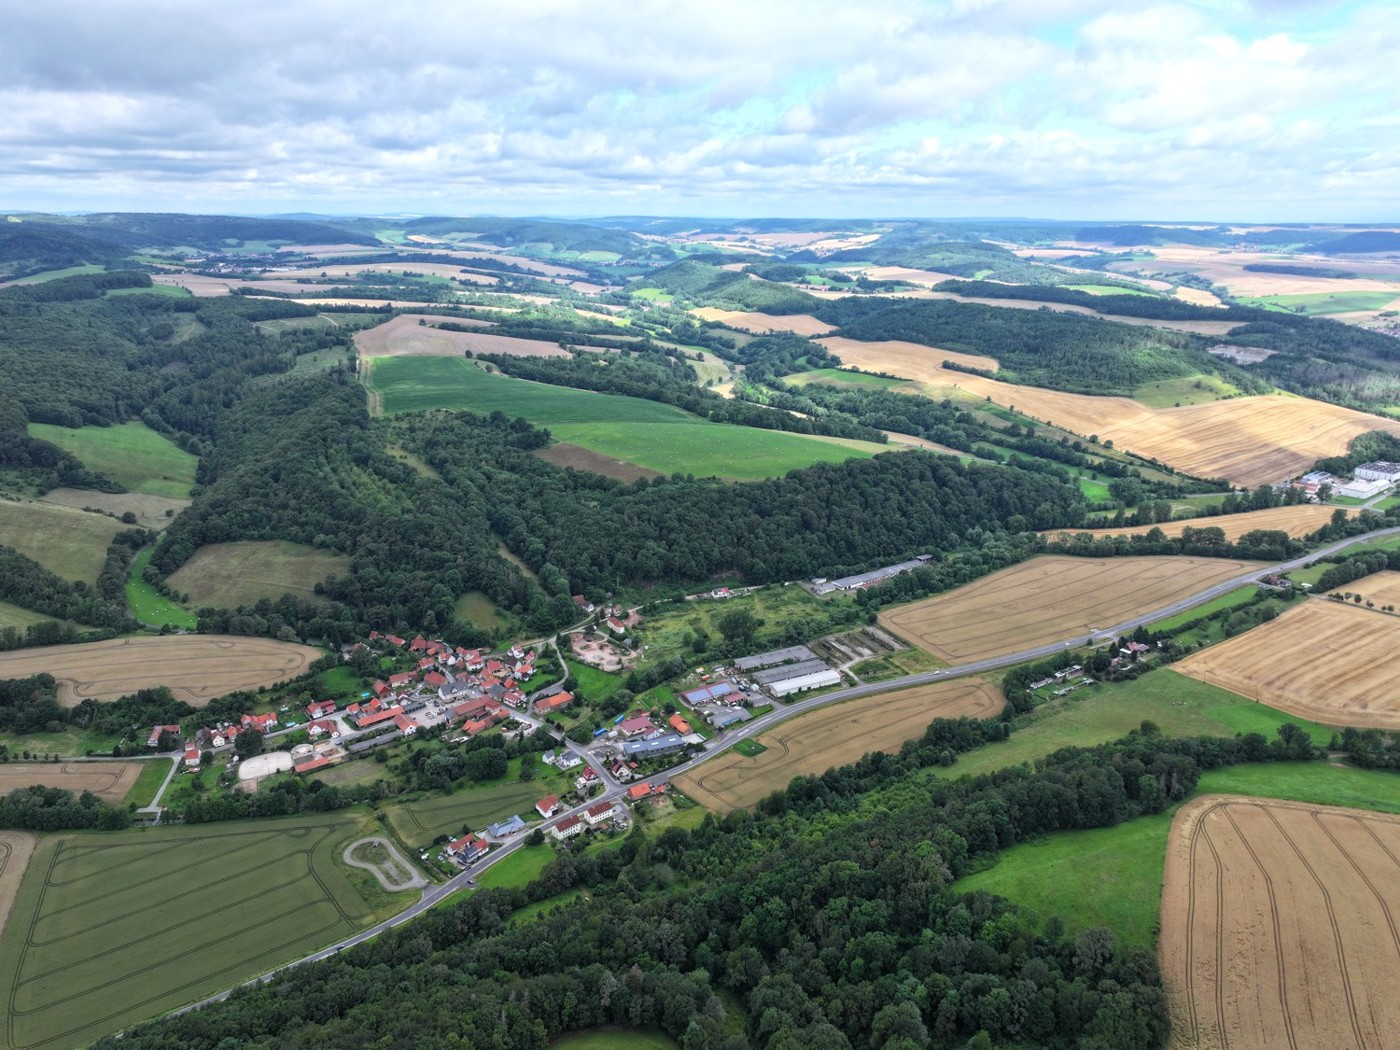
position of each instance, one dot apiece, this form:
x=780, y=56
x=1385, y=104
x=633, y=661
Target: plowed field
x=1322, y=660
x=196, y=667
x=799, y=324
x=1048, y=599
x=1249, y=440
x=1281, y=925
x=1296, y=521
x=835, y=736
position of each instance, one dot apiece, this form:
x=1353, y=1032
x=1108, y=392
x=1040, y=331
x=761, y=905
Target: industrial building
x=801, y=683
x=793, y=654
x=874, y=576
x=1381, y=470
x=657, y=746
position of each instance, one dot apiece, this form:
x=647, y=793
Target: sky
x=1217, y=110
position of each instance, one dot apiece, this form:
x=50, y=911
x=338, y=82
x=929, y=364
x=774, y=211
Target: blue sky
x=1215, y=109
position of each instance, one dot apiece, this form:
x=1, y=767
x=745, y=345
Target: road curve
x=763, y=723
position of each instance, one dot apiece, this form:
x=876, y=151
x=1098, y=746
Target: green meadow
x=131, y=454
x=1326, y=303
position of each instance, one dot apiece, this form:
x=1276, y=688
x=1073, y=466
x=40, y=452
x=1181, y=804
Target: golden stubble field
x=196, y=667
x=1297, y=521
x=1050, y=599
x=1322, y=660
x=1279, y=925
x=798, y=324
x=16, y=847
x=1249, y=440
x=404, y=336
x=835, y=736
x=109, y=781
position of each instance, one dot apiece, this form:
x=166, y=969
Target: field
x=14, y=616
x=1186, y=390
x=563, y=454
x=911, y=360
x=1048, y=599
x=69, y=543
x=418, y=823
x=614, y=1039
x=798, y=324
x=835, y=736
x=1326, y=303
x=1279, y=925
x=1297, y=521
x=150, y=606
x=152, y=512
x=1249, y=440
x=114, y=929
x=131, y=454
x=196, y=667
x=109, y=781
x=227, y=575
x=477, y=609
x=654, y=436
x=15, y=850
x=1321, y=660
x=405, y=336
x=842, y=377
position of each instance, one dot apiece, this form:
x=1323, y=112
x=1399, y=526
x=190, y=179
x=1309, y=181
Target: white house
x=567, y=828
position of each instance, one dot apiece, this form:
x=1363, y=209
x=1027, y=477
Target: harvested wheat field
x=446, y=270
x=1279, y=926
x=1050, y=599
x=1381, y=588
x=196, y=667
x=835, y=736
x=109, y=781
x=1296, y=521
x=404, y=336
x=1248, y=440
x=798, y=324
x=911, y=360
x=16, y=847
x=1322, y=660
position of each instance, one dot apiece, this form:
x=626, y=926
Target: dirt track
x=833, y=736
x=1281, y=926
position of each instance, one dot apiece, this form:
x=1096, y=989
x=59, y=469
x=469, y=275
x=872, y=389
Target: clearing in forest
x=835, y=736
x=196, y=667
x=109, y=781
x=69, y=543
x=1297, y=521
x=114, y=929
x=1050, y=599
x=131, y=454
x=1279, y=925
x=152, y=512
x=798, y=324
x=1323, y=660
x=404, y=336
x=227, y=575
x=1248, y=440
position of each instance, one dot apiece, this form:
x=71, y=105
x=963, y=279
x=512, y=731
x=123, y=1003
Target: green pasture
x=170, y=290
x=1184, y=390
x=668, y=627
x=418, y=823
x=54, y=275
x=153, y=774
x=1113, y=876
x=480, y=611
x=518, y=870
x=614, y=1039
x=131, y=454
x=150, y=606
x=594, y=685
x=843, y=378
x=1226, y=601
x=14, y=616
x=69, y=742
x=69, y=543
x=1325, y=302
x=1179, y=705
x=749, y=747
x=896, y=665
x=1109, y=289
x=227, y=575
x=111, y=929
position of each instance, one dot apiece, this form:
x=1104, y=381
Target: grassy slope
x=148, y=605
x=227, y=575
x=72, y=544
x=131, y=454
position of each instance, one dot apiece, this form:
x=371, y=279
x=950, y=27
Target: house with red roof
x=595, y=815
x=679, y=724
x=468, y=847
x=323, y=727
x=641, y=791
x=320, y=709
x=394, y=639
x=567, y=828
x=616, y=626
x=380, y=689
x=418, y=645
x=426, y=663
x=403, y=678
x=154, y=739
x=313, y=764
x=262, y=723
x=192, y=756
x=548, y=806
x=405, y=725
x=434, y=680
x=638, y=726
x=550, y=704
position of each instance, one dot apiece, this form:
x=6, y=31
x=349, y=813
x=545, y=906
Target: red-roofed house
x=262, y=723
x=583, y=603
x=381, y=689
x=418, y=645
x=323, y=727
x=425, y=663
x=616, y=626
x=637, y=791
x=154, y=739
x=438, y=648
x=191, y=755
x=468, y=847
x=321, y=709
x=313, y=764
x=679, y=724
x=398, y=681
x=434, y=680
x=599, y=813
x=636, y=726
x=394, y=639
x=471, y=709
x=550, y=704
x=405, y=725
x=496, y=669
x=567, y=828
x=374, y=636
x=548, y=806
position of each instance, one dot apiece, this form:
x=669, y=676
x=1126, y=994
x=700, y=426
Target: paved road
x=615, y=791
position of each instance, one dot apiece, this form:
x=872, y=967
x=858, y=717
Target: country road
x=759, y=725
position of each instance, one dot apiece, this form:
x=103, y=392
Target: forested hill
x=134, y=230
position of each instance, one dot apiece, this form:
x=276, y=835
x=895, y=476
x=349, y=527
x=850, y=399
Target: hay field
x=418, y=823
x=835, y=736
x=1279, y=925
x=117, y=928
x=16, y=847
x=227, y=575
x=1321, y=660
x=109, y=781
x=405, y=337
x=150, y=511
x=196, y=667
x=131, y=454
x=899, y=358
x=1249, y=440
x=202, y=285
x=1048, y=599
x=1296, y=521
x=69, y=543
x=798, y=324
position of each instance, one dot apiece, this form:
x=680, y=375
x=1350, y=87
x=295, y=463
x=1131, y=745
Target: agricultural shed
x=874, y=576
x=658, y=746
x=791, y=655
x=780, y=674
x=802, y=683
x=713, y=691
x=509, y=826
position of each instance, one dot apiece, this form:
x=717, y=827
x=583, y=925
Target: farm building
x=1380, y=470
x=468, y=847
x=658, y=746
x=792, y=655
x=509, y=826
x=797, y=678
x=553, y=703
x=1314, y=480
x=874, y=576
x=722, y=718
x=547, y=806
x=639, y=726
x=708, y=693
x=1361, y=488
x=780, y=674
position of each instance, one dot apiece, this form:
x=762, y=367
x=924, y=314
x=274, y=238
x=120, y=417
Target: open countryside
x=110, y=930
x=109, y=781
x=1279, y=925
x=227, y=575
x=131, y=454
x=1047, y=599
x=70, y=543
x=406, y=336
x=835, y=736
x=1323, y=660
x=1298, y=521
x=196, y=667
